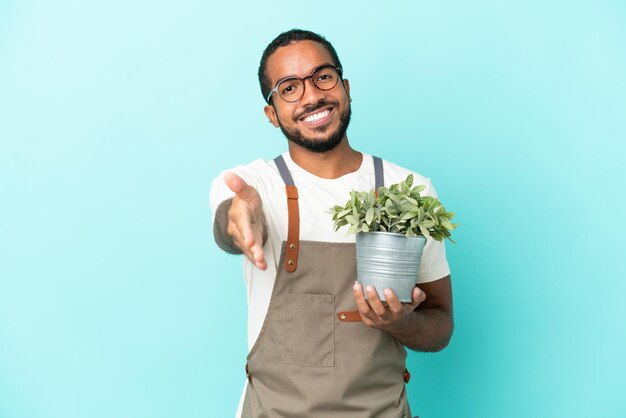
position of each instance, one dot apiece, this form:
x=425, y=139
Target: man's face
x=319, y=120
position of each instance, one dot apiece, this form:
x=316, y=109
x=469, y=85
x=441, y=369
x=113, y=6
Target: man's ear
x=270, y=112
x=346, y=86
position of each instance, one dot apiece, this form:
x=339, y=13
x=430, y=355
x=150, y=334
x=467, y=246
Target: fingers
x=252, y=238
x=257, y=256
x=249, y=242
x=395, y=306
x=246, y=221
x=361, y=304
x=419, y=296
x=239, y=186
x=254, y=253
x=375, y=303
x=243, y=221
x=359, y=298
x=390, y=316
x=371, y=309
x=239, y=226
x=234, y=182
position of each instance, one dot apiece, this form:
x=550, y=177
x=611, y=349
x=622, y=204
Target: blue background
x=115, y=116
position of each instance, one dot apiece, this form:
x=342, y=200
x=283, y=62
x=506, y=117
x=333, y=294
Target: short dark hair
x=285, y=39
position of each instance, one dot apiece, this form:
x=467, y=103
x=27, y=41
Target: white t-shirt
x=316, y=196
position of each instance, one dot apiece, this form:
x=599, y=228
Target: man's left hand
x=391, y=317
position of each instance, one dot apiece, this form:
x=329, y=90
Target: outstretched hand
x=246, y=221
x=391, y=317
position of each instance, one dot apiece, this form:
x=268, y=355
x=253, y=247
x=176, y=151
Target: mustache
x=312, y=108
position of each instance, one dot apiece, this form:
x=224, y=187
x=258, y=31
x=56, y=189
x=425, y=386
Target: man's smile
x=318, y=117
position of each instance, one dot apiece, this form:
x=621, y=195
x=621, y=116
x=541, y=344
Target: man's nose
x=311, y=93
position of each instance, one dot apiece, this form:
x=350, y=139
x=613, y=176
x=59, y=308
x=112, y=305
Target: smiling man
x=317, y=346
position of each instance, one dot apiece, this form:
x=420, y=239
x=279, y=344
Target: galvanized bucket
x=389, y=260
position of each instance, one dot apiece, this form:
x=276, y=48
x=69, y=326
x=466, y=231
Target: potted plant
x=391, y=227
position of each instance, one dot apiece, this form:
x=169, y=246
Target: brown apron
x=313, y=358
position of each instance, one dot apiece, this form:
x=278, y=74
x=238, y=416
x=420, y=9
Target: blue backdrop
x=115, y=116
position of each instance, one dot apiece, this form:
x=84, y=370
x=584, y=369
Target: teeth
x=317, y=116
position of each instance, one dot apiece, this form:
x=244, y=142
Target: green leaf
x=369, y=216
x=427, y=223
x=408, y=207
x=343, y=213
x=446, y=224
x=424, y=232
x=395, y=199
x=340, y=223
x=420, y=214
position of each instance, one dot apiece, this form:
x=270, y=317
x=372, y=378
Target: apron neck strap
x=378, y=174
x=283, y=170
x=293, y=213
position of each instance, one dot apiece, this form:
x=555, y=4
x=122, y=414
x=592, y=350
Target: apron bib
x=313, y=357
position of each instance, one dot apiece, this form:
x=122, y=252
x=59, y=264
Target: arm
x=240, y=226
x=426, y=324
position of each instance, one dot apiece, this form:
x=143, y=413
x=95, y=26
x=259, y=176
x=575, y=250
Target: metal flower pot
x=389, y=260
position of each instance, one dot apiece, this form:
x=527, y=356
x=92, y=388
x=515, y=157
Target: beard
x=320, y=145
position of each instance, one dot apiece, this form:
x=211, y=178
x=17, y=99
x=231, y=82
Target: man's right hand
x=246, y=220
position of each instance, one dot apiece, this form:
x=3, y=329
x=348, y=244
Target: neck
x=332, y=164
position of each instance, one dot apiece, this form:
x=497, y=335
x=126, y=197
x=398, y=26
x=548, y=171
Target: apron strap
x=293, y=229
x=283, y=170
x=378, y=174
x=349, y=316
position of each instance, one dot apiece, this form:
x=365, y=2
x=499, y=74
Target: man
x=318, y=347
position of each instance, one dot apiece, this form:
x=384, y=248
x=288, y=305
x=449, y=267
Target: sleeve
x=433, y=265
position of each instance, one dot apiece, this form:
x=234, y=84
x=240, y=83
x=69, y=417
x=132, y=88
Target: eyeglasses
x=291, y=89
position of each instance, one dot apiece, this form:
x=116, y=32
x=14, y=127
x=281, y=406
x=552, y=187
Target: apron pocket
x=310, y=330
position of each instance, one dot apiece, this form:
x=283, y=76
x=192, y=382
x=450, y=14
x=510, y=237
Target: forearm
x=220, y=226
x=427, y=329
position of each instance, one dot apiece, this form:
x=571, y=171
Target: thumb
x=234, y=182
x=419, y=296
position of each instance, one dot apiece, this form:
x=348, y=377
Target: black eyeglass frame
x=321, y=67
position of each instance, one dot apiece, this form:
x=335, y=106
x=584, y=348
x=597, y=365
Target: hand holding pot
x=246, y=220
x=391, y=317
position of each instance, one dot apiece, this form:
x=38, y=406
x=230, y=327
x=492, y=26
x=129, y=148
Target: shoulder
x=254, y=173
x=395, y=174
